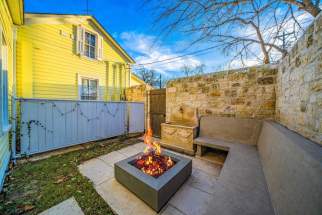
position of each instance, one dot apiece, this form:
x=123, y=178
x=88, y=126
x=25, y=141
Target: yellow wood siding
x=48, y=66
x=8, y=29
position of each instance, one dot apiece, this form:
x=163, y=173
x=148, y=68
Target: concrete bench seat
x=275, y=172
x=212, y=143
x=222, y=132
x=241, y=187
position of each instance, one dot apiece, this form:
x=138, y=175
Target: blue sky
x=131, y=25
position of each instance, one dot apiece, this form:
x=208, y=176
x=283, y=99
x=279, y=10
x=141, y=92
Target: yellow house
x=55, y=56
x=135, y=80
x=70, y=57
x=11, y=12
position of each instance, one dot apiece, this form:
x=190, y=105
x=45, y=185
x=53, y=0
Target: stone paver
x=140, y=146
x=206, y=166
x=112, y=157
x=238, y=189
x=190, y=200
x=121, y=200
x=201, y=180
x=129, y=151
x=68, y=206
x=171, y=210
x=96, y=170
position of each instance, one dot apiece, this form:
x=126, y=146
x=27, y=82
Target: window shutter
x=99, y=49
x=80, y=40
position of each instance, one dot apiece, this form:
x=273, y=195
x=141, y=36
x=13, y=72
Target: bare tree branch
x=237, y=25
x=306, y=5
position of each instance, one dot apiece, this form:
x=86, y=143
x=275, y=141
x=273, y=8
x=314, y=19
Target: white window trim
x=96, y=44
x=4, y=128
x=90, y=77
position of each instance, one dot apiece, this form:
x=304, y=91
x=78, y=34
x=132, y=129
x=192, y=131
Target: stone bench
x=179, y=132
x=217, y=131
x=241, y=186
x=273, y=171
x=178, y=137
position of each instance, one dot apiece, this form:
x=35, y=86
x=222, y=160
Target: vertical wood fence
x=46, y=125
x=136, y=117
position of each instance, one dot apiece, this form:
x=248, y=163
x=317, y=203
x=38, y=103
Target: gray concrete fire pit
x=153, y=191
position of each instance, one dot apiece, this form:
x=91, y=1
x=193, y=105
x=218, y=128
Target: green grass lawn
x=36, y=186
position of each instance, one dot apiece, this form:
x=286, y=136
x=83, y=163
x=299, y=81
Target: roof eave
x=108, y=35
x=16, y=8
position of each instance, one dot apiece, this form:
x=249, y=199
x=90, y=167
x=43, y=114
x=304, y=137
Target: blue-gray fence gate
x=51, y=124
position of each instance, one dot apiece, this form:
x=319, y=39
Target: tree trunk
x=306, y=5
x=266, y=60
x=313, y=10
x=262, y=43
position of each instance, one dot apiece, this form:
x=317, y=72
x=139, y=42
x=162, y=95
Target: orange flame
x=152, y=146
x=148, y=137
x=152, y=162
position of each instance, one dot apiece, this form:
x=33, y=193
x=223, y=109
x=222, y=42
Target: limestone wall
x=139, y=93
x=246, y=93
x=299, y=85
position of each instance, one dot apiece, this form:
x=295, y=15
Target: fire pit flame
x=152, y=162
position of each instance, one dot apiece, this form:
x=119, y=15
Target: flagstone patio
x=192, y=198
x=198, y=194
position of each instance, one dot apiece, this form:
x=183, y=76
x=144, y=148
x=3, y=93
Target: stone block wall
x=244, y=93
x=139, y=93
x=299, y=85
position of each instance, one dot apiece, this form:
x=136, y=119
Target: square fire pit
x=154, y=191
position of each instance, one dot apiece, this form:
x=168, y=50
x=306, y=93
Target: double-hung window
x=90, y=45
x=4, y=116
x=89, y=89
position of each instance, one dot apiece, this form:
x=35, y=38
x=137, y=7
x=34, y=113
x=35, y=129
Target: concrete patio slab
x=112, y=157
x=239, y=188
x=206, y=167
x=121, y=200
x=190, y=200
x=140, y=146
x=171, y=210
x=96, y=170
x=69, y=206
x=129, y=151
x=201, y=181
